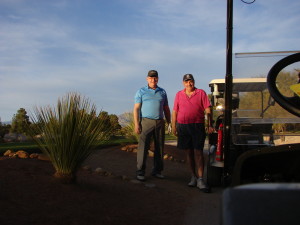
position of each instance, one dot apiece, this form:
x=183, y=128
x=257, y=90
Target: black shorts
x=191, y=136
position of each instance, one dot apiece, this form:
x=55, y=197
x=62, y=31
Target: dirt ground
x=30, y=195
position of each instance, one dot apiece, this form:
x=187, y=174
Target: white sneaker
x=140, y=177
x=193, y=182
x=159, y=175
x=202, y=186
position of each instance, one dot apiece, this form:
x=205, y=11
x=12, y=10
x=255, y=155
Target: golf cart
x=264, y=138
x=266, y=160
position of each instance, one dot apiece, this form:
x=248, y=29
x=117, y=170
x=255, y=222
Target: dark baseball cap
x=187, y=77
x=152, y=73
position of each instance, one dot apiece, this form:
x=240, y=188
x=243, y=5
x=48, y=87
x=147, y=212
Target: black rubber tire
x=291, y=104
x=215, y=174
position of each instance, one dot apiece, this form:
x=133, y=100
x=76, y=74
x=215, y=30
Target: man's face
x=189, y=84
x=152, y=82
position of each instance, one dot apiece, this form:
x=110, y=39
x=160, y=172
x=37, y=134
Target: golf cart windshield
x=256, y=119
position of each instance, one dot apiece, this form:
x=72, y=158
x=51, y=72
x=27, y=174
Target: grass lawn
x=31, y=147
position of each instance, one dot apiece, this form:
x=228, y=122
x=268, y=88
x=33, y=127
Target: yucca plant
x=69, y=133
x=128, y=130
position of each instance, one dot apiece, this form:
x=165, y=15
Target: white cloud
x=267, y=26
x=45, y=56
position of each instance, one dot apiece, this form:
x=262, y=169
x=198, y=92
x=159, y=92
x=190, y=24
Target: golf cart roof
x=241, y=84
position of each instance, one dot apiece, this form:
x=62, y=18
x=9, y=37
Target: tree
x=114, y=122
x=250, y=100
x=20, y=122
x=4, y=129
x=104, y=117
x=284, y=81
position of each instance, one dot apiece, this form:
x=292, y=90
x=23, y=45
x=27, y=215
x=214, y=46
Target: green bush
x=128, y=130
x=69, y=133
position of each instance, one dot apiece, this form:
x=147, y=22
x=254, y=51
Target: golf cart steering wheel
x=291, y=104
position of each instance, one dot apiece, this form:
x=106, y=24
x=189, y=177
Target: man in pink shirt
x=188, y=124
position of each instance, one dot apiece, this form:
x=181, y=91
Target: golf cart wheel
x=291, y=104
x=215, y=176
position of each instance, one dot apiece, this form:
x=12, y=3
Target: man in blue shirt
x=150, y=108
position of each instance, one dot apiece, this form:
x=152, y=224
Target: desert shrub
x=128, y=130
x=69, y=133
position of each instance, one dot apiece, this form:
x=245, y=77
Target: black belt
x=150, y=118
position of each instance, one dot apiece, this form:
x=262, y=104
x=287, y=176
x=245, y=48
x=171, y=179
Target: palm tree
x=69, y=133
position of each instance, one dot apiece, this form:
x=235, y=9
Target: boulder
x=34, y=155
x=87, y=168
x=124, y=148
x=22, y=154
x=129, y=148
x=43, y=157
x=13, y=155
x=8, y=153
x=100, y=171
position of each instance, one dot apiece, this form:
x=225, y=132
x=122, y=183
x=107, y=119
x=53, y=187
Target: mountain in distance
x=125, y=118
x=6, y=122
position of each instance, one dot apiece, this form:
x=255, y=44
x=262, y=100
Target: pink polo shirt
x=191, y=109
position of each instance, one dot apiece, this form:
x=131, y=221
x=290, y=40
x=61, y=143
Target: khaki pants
x=156, y=129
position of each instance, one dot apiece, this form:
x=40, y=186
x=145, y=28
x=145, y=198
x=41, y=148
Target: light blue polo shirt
x=153, y=102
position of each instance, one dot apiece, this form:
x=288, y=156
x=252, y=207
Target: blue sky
x=103, y=49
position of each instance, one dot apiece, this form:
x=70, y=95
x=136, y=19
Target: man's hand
x=137, y=129
x=210, y=129
x=169, y=129
x=174, y=130
x=136, y=118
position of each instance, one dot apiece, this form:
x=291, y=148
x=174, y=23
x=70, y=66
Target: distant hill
x=125, y=119
x=6, y=122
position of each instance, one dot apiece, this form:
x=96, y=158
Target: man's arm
x=136, y=118
x=174, y=120
x=167, y=113
x=209, y=120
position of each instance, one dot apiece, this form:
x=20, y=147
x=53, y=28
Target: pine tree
x=20, y=122
x=114, y=122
